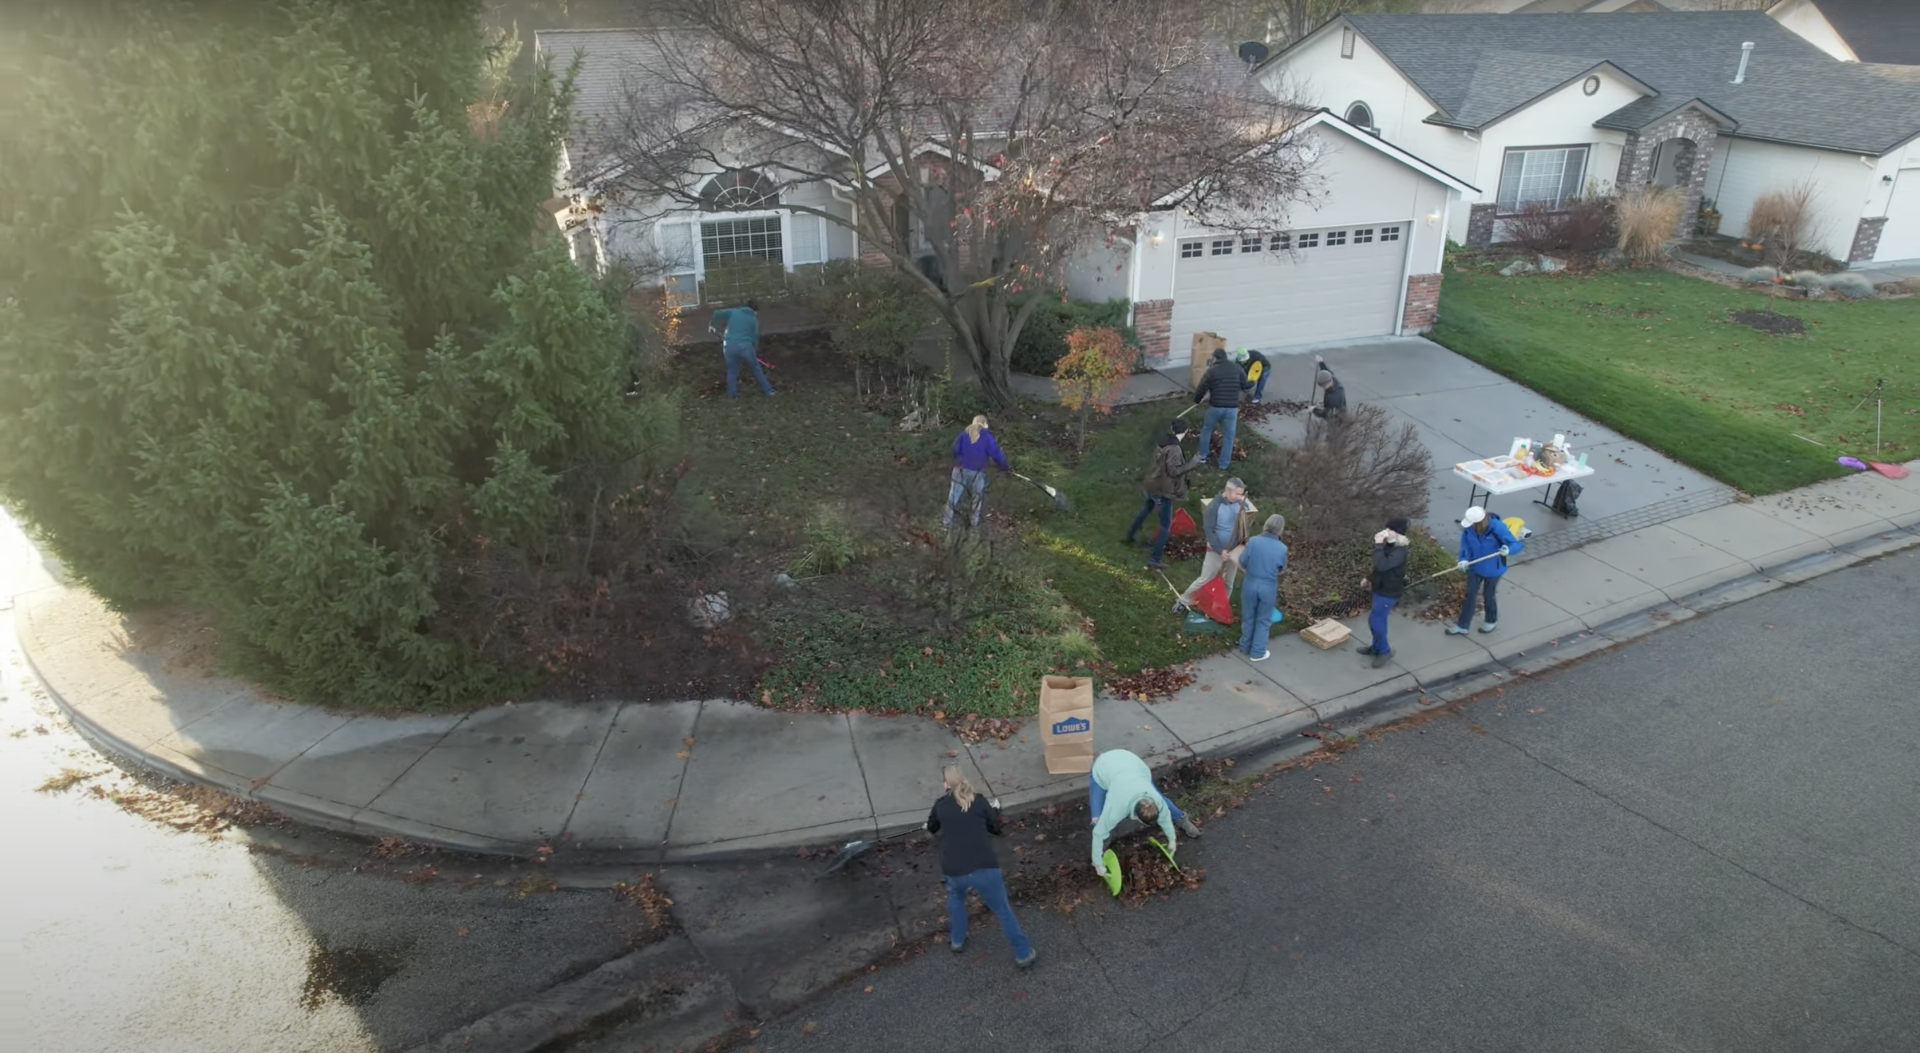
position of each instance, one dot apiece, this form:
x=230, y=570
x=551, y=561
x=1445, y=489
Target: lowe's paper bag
x=1066, y=723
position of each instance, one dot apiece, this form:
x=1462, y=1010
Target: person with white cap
x=1485, y=544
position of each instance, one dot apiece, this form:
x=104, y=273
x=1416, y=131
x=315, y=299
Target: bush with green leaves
x=283, y=339
x=1043, y=340
x=875, y=314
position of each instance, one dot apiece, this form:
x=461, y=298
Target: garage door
x=1281, y=290
x=1900, y=238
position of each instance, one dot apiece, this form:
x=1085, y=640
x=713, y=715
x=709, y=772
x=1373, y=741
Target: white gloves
x=1100, y=870
x=1503, y=550
x=1462, y=565
x=1388, y=537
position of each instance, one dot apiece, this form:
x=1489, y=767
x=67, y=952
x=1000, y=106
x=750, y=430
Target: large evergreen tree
x=280, y=332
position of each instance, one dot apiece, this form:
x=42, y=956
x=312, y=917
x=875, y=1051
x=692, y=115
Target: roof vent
x=1746, y=52
x=1253, y=53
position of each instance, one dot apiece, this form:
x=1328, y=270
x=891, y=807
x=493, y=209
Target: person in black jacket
x=1220, y=386
x=1389, y=580
x=963, y=820
x=1164, y=486
x=1333, y=394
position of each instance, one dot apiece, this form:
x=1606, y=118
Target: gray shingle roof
x=1794, y=92
x=615, y=64
x=1505, y=80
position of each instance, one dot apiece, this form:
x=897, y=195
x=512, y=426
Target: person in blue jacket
x=740, y=345
x=1482, y=536
x=973, y=449
x=1260, y=565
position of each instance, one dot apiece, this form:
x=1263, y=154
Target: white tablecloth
x=1502, y=475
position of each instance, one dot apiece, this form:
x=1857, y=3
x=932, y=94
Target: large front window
x=1546, y=177
x=741, y=257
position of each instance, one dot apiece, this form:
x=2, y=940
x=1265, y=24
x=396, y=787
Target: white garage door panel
x=1900, y=238
x=1308, y=296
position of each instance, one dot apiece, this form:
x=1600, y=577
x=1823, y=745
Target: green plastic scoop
x=1165, y=851
x=1112, y=863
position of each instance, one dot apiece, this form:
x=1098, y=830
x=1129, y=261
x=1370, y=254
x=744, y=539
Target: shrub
x=1043, y=340
x=1850, y=284
x=875, y=315
x=1649, y=218
x=831, y=544
x=1782, y=221
x=1583, y=225
x=1090, y=377
x=1349, y=475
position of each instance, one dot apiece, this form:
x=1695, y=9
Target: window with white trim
x=1363, y=236
x=809, y=241
x=677, y=256
x=1389, y=233
x=1336, y=237
x=1253, y=244
x=1192, y=249
x=1540, y=177
x=1281, y=243
x=1346, y=42
x=733, y=240
x=1223, y=247
x=1306, y=241
x=1360, y=114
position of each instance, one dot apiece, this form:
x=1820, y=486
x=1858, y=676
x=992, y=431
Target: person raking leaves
x=964, y=822
x=1485, y=544
x=1120, y=787
x=1389, y=580
x=741, y=345
x=1164, y=486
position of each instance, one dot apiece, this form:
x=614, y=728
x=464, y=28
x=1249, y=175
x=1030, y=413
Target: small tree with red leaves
x=1093, y=372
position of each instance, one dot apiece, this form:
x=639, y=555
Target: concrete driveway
x=1465, y=411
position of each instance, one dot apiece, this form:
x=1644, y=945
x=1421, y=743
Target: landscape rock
x=1516, y=267
x=1549, y=265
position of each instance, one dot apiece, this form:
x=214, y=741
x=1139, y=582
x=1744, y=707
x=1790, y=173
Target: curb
x=1277, y=737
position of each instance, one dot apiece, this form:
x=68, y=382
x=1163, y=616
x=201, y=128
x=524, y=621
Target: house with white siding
x=1535, y=109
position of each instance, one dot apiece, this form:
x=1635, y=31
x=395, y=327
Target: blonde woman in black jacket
x=966, y=823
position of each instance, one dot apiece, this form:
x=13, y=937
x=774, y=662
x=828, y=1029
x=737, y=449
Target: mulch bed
x=1769, y=322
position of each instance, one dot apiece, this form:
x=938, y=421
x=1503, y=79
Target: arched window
x=738, y=191
x=1360, y=114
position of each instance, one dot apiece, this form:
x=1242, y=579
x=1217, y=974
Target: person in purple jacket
x=972, y=449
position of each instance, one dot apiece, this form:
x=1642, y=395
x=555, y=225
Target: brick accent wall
x=1153, y=320
x=1480, y=225
x=1423, y=302
x=1698, y=135
x=1866, y=239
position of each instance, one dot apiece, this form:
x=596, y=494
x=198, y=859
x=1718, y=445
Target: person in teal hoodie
x=1120, y=787
x=741, y=345
x=1485, y=544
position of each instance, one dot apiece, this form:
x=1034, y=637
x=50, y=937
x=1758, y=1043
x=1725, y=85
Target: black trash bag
x=1566, y=502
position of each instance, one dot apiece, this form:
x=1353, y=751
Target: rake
x=853, y=850
x=1060, y=502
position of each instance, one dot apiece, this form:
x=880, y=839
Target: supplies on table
x=1066, y=724
x=1492, y=472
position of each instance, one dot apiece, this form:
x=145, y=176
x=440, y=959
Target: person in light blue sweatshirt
x=741, y=345
x=1120, y=787
x=1261, y=562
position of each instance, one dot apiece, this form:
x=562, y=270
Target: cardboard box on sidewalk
x=1066, y=723
x=1326, y=634
x=1204, y=345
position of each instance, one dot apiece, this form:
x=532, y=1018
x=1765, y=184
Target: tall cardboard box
x=1204, y=345
x=1066, y=723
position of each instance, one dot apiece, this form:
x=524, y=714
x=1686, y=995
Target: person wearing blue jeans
x=1220, y=388
x=1120, y=787
x=973, y=449
x=1485, y=544
x=1246, y=360
x=1164, y=485
x=741, y=345
x=964, y=822
x=1261, y=564
x=1389, y=580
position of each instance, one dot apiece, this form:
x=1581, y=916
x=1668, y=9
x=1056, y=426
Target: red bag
x=1212, y=600
x=1183, y=524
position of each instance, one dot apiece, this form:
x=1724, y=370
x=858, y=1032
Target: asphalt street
x=1702, y=841
x=124, y=934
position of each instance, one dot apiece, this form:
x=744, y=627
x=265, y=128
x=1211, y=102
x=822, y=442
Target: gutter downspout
x=1133, y=270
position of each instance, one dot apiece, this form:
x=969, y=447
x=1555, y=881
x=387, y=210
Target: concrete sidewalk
x=719, y=778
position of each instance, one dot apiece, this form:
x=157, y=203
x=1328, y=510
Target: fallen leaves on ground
x=191, y=808
x=643, y=893
x=973, y=727
x=1150, y=684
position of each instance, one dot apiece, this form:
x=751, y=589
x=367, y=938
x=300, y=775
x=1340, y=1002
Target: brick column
x=1153, y=321
x=1423, y=303
x=1866, y=239
x=1480, y=225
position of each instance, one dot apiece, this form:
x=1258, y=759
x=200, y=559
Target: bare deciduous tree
x=993, y=138
x=1350, y=474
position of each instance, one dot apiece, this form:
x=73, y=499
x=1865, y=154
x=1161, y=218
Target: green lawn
x=1652, y=354
x=1062, y=593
